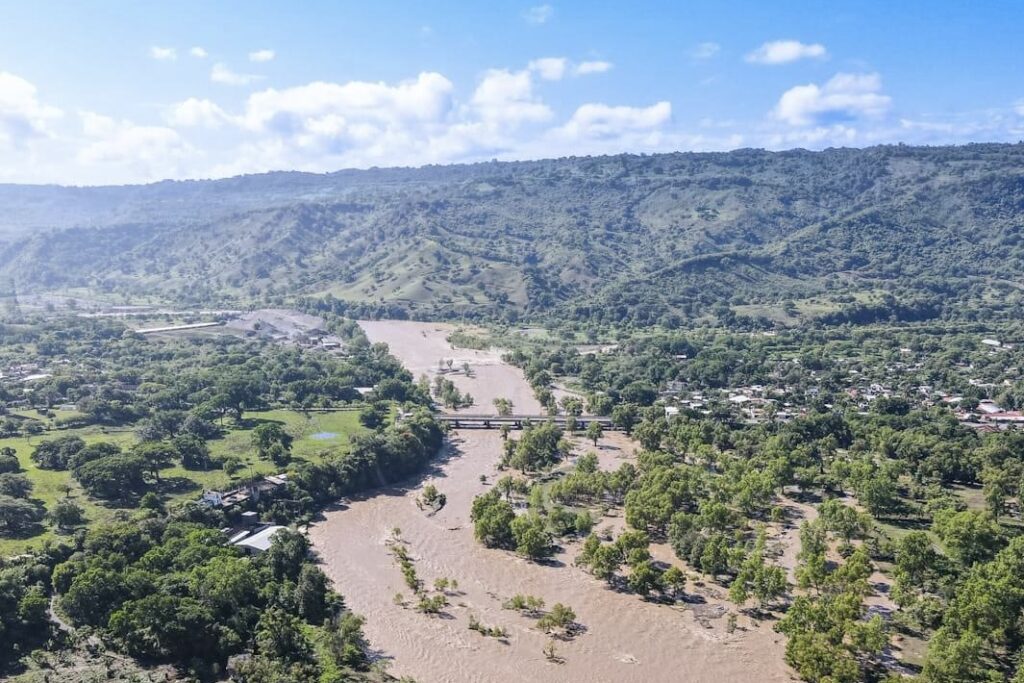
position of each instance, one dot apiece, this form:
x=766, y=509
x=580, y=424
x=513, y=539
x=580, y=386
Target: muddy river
x=625, y=638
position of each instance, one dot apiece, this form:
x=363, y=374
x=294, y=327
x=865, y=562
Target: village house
x=268, y=486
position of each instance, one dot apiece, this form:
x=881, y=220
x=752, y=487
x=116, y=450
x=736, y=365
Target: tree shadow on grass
x=249, y=423
x=174, y=485
x=23, y=533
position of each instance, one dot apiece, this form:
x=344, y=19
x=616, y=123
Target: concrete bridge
x=471, y=421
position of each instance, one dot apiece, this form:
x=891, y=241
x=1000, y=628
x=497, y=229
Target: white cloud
x=222, y=74
x=817, y=137
x=163, y=54
x=705, y=50
x=593, y=67
x=844, y=96
x=507, y=96
x=786, y=51
x=198, y=52
x=603, y=121
x=323, y=126
x=549, y=68
x=539, y=14
x=22, y=115
x=556, y=68
x=147, y=149
x=195, y=112
x=346, y=109
x=262, y=56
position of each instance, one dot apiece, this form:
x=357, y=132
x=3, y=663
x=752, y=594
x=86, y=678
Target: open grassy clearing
x=316, y=435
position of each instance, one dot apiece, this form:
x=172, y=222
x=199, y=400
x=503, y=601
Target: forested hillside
x=746, y=237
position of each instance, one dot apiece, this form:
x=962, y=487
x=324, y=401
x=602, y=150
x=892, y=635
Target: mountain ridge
x=646, y=238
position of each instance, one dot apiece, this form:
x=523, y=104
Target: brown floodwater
x=624, y=639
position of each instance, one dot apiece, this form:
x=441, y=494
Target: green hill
x=885, y=232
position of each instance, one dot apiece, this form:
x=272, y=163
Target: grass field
x=316, y=435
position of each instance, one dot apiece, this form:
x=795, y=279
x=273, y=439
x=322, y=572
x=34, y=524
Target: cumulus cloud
x=1020, y=107
x=22, y=116
x=786, y=51
x=335, y=116
x=322, y=126
x=844, y=96
x=195, y=112
x=604, y=121
x=163, y=54
x=262, y=56
x=198, y=52
x=220, y=73
x=539, y=14
x=705, y=50
x=592, y=67
x=149, y=149
x=549, y=68
x=507, y=96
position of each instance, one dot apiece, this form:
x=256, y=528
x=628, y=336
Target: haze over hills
x=644, y=238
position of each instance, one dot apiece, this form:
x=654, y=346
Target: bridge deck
x=472, y=421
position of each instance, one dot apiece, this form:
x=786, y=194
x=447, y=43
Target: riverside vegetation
x=116, y=541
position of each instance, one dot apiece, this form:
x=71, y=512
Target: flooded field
x=423, y=346
x=625, y=638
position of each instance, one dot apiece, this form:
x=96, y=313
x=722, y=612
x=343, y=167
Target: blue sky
x=124, y=92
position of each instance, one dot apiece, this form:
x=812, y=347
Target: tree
x=625, y=416
x=167, y=627
x=673, y=581
x=503, y=406
x=560, y=619
x=154, y=456
x=531, y=538
x=599, y=404
x=93, y=451
x=650, y=433
x=272, y=442
x=279, y=636
x=766, y=582
x=66, y=513
x=311, y=592
x=287, y=554
x=595, y=431
x=374, y=414
x=953, y=659
x=572, y=406
x=605, y=561
x=8, y=460
x=916, y=559
x=492, y=520
x=192, y=451
x=113, y=477
x=538, y=447
x=56, y=454
x=843, y=520
x=94, y=595
x=15, y=485
x=346, y=642
x=644, y=577
x=433, y=498
x=17, y=514
x=878, y=494
x=970, y=536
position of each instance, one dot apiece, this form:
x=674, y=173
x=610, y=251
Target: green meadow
x=316, y=435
